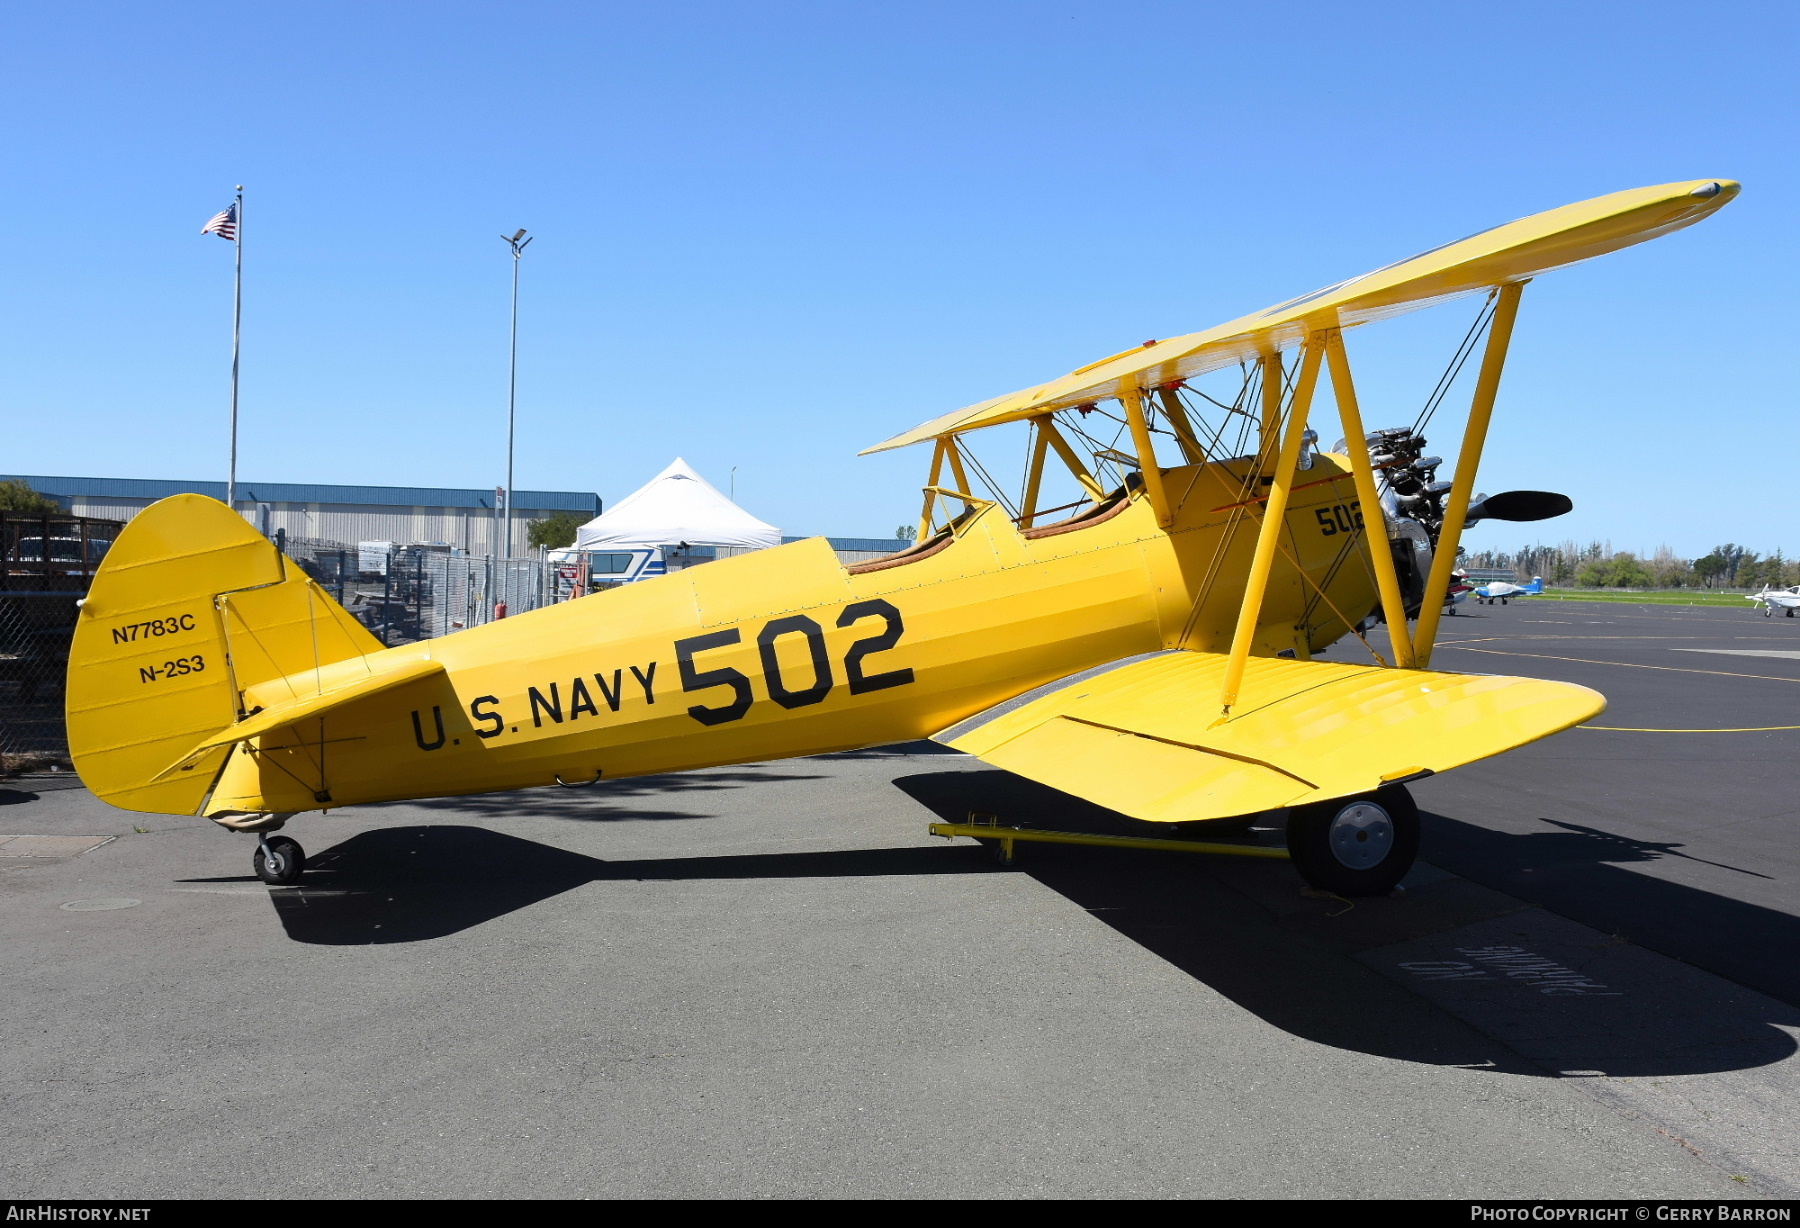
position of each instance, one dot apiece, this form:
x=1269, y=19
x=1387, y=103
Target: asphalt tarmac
x=770, y=981
x=1688, y=843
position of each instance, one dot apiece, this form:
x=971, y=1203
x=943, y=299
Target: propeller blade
x=1521, y=505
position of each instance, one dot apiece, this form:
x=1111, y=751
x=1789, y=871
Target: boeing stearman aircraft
x=1150, y=646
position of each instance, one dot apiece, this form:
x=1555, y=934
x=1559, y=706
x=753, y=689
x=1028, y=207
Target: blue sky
x=769, y=235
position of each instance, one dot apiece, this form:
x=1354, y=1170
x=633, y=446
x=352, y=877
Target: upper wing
x=1144, y=738
x=1508, y=253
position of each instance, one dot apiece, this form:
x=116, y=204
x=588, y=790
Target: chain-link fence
x=400, y=593
x=47, y=560
x=459, y=592
x=34, y=658
x=407, y=593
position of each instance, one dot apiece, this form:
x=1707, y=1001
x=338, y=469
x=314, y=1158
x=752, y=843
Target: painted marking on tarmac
x=1787, y=653
x=1524, y=967
x=105, y=905
x=1685, y=618
x=1630, y=729
x=1673, y=669
x=50, y=846
x=1501, y=639
x=1693, y=1054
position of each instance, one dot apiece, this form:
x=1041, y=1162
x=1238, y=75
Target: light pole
x=518, y=243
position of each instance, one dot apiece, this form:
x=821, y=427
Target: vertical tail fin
x=191, y=606
x=1536, y=585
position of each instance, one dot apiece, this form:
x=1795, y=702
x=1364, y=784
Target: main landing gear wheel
x=279, y=861
x=1356, y=845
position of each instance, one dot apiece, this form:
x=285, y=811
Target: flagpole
x=512, y=385
x=237, y=319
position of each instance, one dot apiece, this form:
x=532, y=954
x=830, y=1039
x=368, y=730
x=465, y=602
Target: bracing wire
x=1101, y=465
x=1213, y=437
x=1240, y=513
x=1470, y=340
x=993, y=486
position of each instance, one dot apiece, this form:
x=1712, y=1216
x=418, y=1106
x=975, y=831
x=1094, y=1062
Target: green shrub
x=556, y=531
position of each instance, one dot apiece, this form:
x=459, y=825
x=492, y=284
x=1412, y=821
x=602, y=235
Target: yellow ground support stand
x=985, y=827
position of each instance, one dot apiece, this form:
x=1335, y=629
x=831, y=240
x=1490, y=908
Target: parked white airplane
x=1788, y=599
x=1501, y=591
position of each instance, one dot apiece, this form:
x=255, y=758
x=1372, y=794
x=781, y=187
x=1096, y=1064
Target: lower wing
x=1145, y=736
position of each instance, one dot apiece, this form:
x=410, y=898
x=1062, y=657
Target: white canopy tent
x=676, y=506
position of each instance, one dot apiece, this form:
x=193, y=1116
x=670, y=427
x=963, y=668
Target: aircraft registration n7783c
x=1148, y=648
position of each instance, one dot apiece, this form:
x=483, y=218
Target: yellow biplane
x=1148, y=648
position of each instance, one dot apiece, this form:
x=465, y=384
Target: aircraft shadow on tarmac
x=1577, y=871
x=412, y=884
x=1240, y=926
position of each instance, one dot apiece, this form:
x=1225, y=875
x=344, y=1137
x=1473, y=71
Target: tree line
x=1598, y=565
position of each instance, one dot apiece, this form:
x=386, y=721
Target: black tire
x=1768, y=612
x=1356, y=866
x=287, y=864
x=1790, y=611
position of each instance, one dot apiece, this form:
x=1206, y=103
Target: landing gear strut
x=279, y=860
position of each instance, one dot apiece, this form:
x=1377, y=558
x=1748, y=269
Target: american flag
x=224, y=225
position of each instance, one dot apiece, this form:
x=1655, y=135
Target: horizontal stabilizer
x=1146, y=738
x=306, y=707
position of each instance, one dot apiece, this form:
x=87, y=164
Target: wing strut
x=1272, y=388
x=1274, y=519
x=1047, y=424
x=1456, y=511
x=1034, y=477
x=1133, y=400
x=1381, y=557
x=1178, y=422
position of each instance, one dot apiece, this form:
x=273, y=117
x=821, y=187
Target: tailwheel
x=1360, y=845
x=279, y=860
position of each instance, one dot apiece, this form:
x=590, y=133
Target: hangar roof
x=305, y=492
